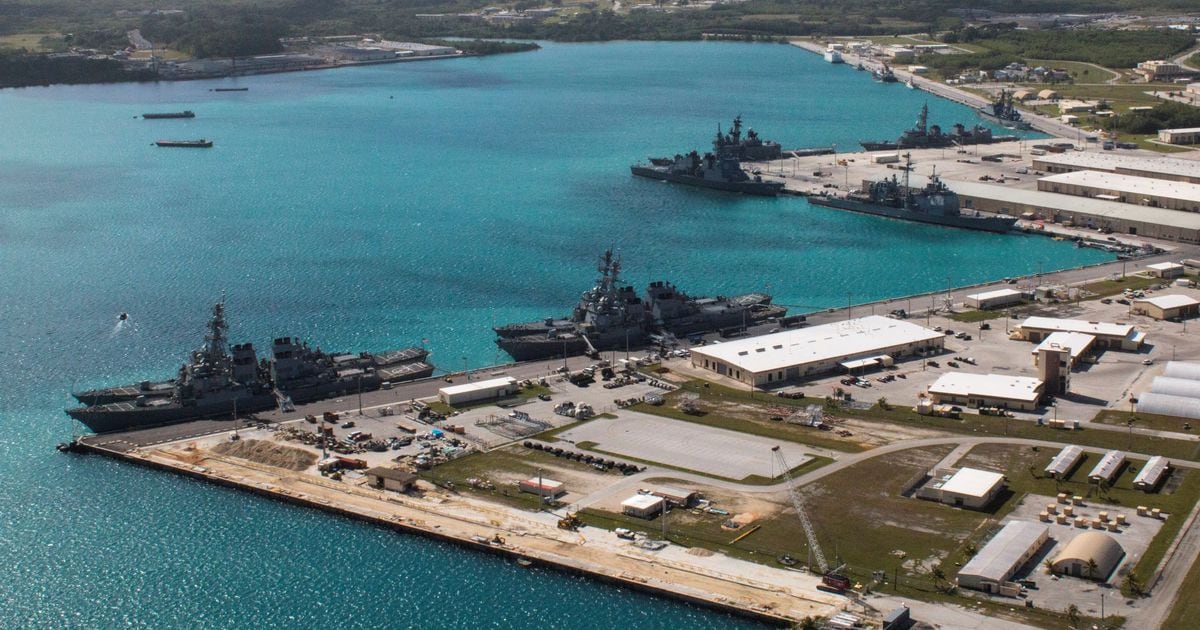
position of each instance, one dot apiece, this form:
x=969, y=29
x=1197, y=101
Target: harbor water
x=378, y=207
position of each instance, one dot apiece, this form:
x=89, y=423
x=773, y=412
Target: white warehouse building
x=987, y=390
x=804, y=352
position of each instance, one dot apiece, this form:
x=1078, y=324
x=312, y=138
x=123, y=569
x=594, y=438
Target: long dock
x=491, y=530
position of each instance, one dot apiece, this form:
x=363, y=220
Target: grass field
x=1143, y=420
x=1186, y=609
x=1105, y=288
x=1081, y=72
x=33, y=42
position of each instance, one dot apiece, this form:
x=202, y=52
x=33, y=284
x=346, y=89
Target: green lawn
x=1186, y=610
x=1143, y=420
x=1106, y=288
x=516, y=460
x=1081, y=72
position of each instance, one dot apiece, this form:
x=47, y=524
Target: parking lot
x=682, y=444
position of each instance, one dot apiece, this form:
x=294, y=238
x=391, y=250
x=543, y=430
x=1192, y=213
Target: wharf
x=773, y=596
x=1041, y=123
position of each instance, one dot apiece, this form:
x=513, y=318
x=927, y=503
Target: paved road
x=841, y=462
x=1179, y=560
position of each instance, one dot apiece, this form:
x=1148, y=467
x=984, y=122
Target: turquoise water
x=375, y=207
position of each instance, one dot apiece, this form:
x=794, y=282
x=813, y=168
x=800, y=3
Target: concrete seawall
x=417, y=526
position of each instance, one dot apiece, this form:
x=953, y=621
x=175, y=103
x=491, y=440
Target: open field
x=1080, y=71
x=1186, y=610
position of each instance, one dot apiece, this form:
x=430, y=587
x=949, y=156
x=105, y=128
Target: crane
x=830, y=578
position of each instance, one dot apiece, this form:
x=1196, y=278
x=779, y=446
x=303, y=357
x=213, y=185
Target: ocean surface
x=377, y=207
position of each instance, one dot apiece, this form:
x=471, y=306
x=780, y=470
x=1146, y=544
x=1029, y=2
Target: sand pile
x=268, y=453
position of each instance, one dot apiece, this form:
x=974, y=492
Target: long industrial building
x=1143, y=191
x=801, y=353
x=1066, y=461
x=1014, y=545
x=1152, y=473
x=1097, y=214
x=1156, y=167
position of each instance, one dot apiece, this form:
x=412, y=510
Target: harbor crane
x=831, y=579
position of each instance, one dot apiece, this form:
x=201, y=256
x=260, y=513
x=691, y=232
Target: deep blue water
x=375, y=207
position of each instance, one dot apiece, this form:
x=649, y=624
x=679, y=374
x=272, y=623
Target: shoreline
x=715, y=592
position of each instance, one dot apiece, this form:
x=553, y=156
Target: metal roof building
x=987, y=390
x=1119, y=336
x=643, y=505
x=1175, y=393
x=1152, y=473
x=1174, y=306
x=994, y=299
x=1157, y=167
x=1087, y=212
x=1183, y=369
x=1108, y=466
x=1143, y=191
x=1168, y=405
x=1078, y=343
x=1176, y=387
x=802, y=352
x=1003, y=555
x=1089, y=547
x=965, y=487
x=1064, y=462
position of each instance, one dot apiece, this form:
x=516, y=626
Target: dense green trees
x=1165, y=115
x=23, y=70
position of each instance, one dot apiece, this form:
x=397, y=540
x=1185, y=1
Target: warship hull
x=1004, y=122
x=537, y=347
x=123, y=416
x=947, y=142
x=763, y=189
x=987, y=224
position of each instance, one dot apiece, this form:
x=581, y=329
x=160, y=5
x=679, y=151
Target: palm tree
x=1091, y=568
x=1049, y=564
x=1073, y=615
x=1132, y=584
x=939, y=576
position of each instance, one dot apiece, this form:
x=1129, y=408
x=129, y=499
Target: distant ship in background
x=1004, y=111
x=720, y=169
x=925, y=136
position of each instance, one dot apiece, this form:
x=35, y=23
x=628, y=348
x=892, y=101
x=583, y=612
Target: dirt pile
x=268, y=453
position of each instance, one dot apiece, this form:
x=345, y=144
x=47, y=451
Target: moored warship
x=925, y=136
x=611, y=316
x=935, y=203
x=219, y=380
x=1004, y=111
x=720, y=169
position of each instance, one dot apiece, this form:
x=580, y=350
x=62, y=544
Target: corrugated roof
x=1108, y=465
x=1152, y=472
x=1022, y=388
x=1001, y=556
x=1182, y=369
x=1168, y=405
x=842, y=340
x=1065, y=460
x=1092, y=546
x=1176, y=387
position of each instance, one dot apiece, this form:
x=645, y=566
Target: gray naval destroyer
x=720, y=169
x=611, y=316
x=935, y=203
x=219, y=381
